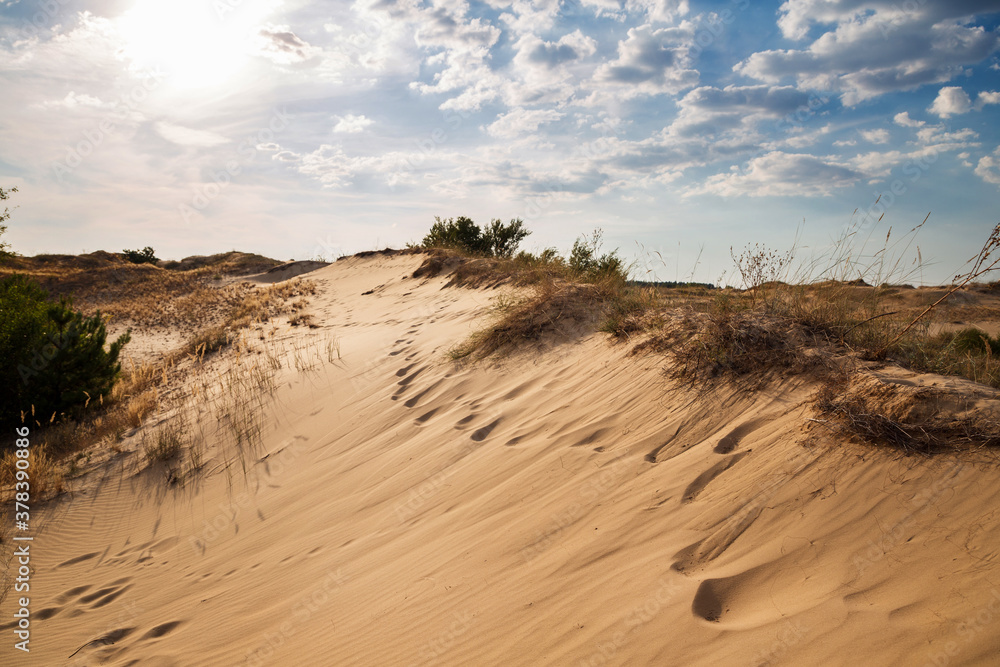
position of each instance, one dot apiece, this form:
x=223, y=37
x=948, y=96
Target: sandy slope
x=571, y=508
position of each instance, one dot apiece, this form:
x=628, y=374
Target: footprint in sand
x=464, y=421
x=482, y=433
x=426, y=416
x=78, y=559
x=105, y=596
x=409, y=378
x=708, y=603
x=731, y=440
x=695, y=488
x=161, y=630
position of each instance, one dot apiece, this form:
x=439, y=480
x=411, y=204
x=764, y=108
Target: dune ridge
x=575, y=507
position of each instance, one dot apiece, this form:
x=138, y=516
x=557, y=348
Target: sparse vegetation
x=496, y=240
x=889, y=415
x=788, y=316
x=167, y=442
x=565, y=293
x=5, y=252
x=53, y=361
x=145, y=256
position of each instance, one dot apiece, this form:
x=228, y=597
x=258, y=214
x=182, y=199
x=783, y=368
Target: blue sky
x=679, y=127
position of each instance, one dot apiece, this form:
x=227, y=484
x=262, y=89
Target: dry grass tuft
x=552, y=308
x=47, y=478
x=167, y=442
x=920, y=421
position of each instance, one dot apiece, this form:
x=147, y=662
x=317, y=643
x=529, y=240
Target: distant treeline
x=669, y=284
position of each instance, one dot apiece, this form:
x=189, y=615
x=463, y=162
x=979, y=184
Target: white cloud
x=650, y=62
x=950, y=101
x=937, y=134
x=903, y=119
x=877, y=165
x=74, y=100
x=284, y=47
x=663, y=11
x=666, y=11
x=986, y=98
x=527, y=16
x=546, y=72
x=186, y=136
x=518, y=122
x=351, y=124
x=879, y=136
x=874, y=46
x=778, y=174
x=988, y=168
x=569, y=48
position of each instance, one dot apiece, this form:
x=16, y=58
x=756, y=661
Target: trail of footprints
x=98, y=599
x=714, y=596
x=711, y=600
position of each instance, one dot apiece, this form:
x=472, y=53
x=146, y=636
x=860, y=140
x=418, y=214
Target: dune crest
x=575, y=507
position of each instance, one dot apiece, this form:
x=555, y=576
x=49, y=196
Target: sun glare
x=195, y=44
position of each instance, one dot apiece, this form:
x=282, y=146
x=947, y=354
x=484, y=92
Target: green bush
x=973, y=340
x=587, y=264
x=4, y=217
x=502, y=240
x=52, y=358
x=145, y=256
x=497, y=240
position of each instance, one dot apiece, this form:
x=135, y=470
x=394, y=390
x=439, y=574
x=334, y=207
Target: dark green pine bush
x=52, y=358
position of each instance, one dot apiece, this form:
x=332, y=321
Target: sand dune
x=568, y=508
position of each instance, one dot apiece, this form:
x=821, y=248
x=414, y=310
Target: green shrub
x=52, y=358
x=145, y=256
x=4, y=217
x=460, y=233
x=585, y=261
x=497, y=240
x=502, y=240
x=975, y=341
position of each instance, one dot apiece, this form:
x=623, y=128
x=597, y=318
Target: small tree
x=497, y=240
x=585, y=261
x=145, y=256
x=5, y=252
x=460, y=233
x=502, y=240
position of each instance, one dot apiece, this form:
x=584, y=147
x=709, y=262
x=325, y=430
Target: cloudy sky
x=680, y=127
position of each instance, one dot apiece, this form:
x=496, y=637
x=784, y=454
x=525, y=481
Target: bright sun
x=195, y=43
